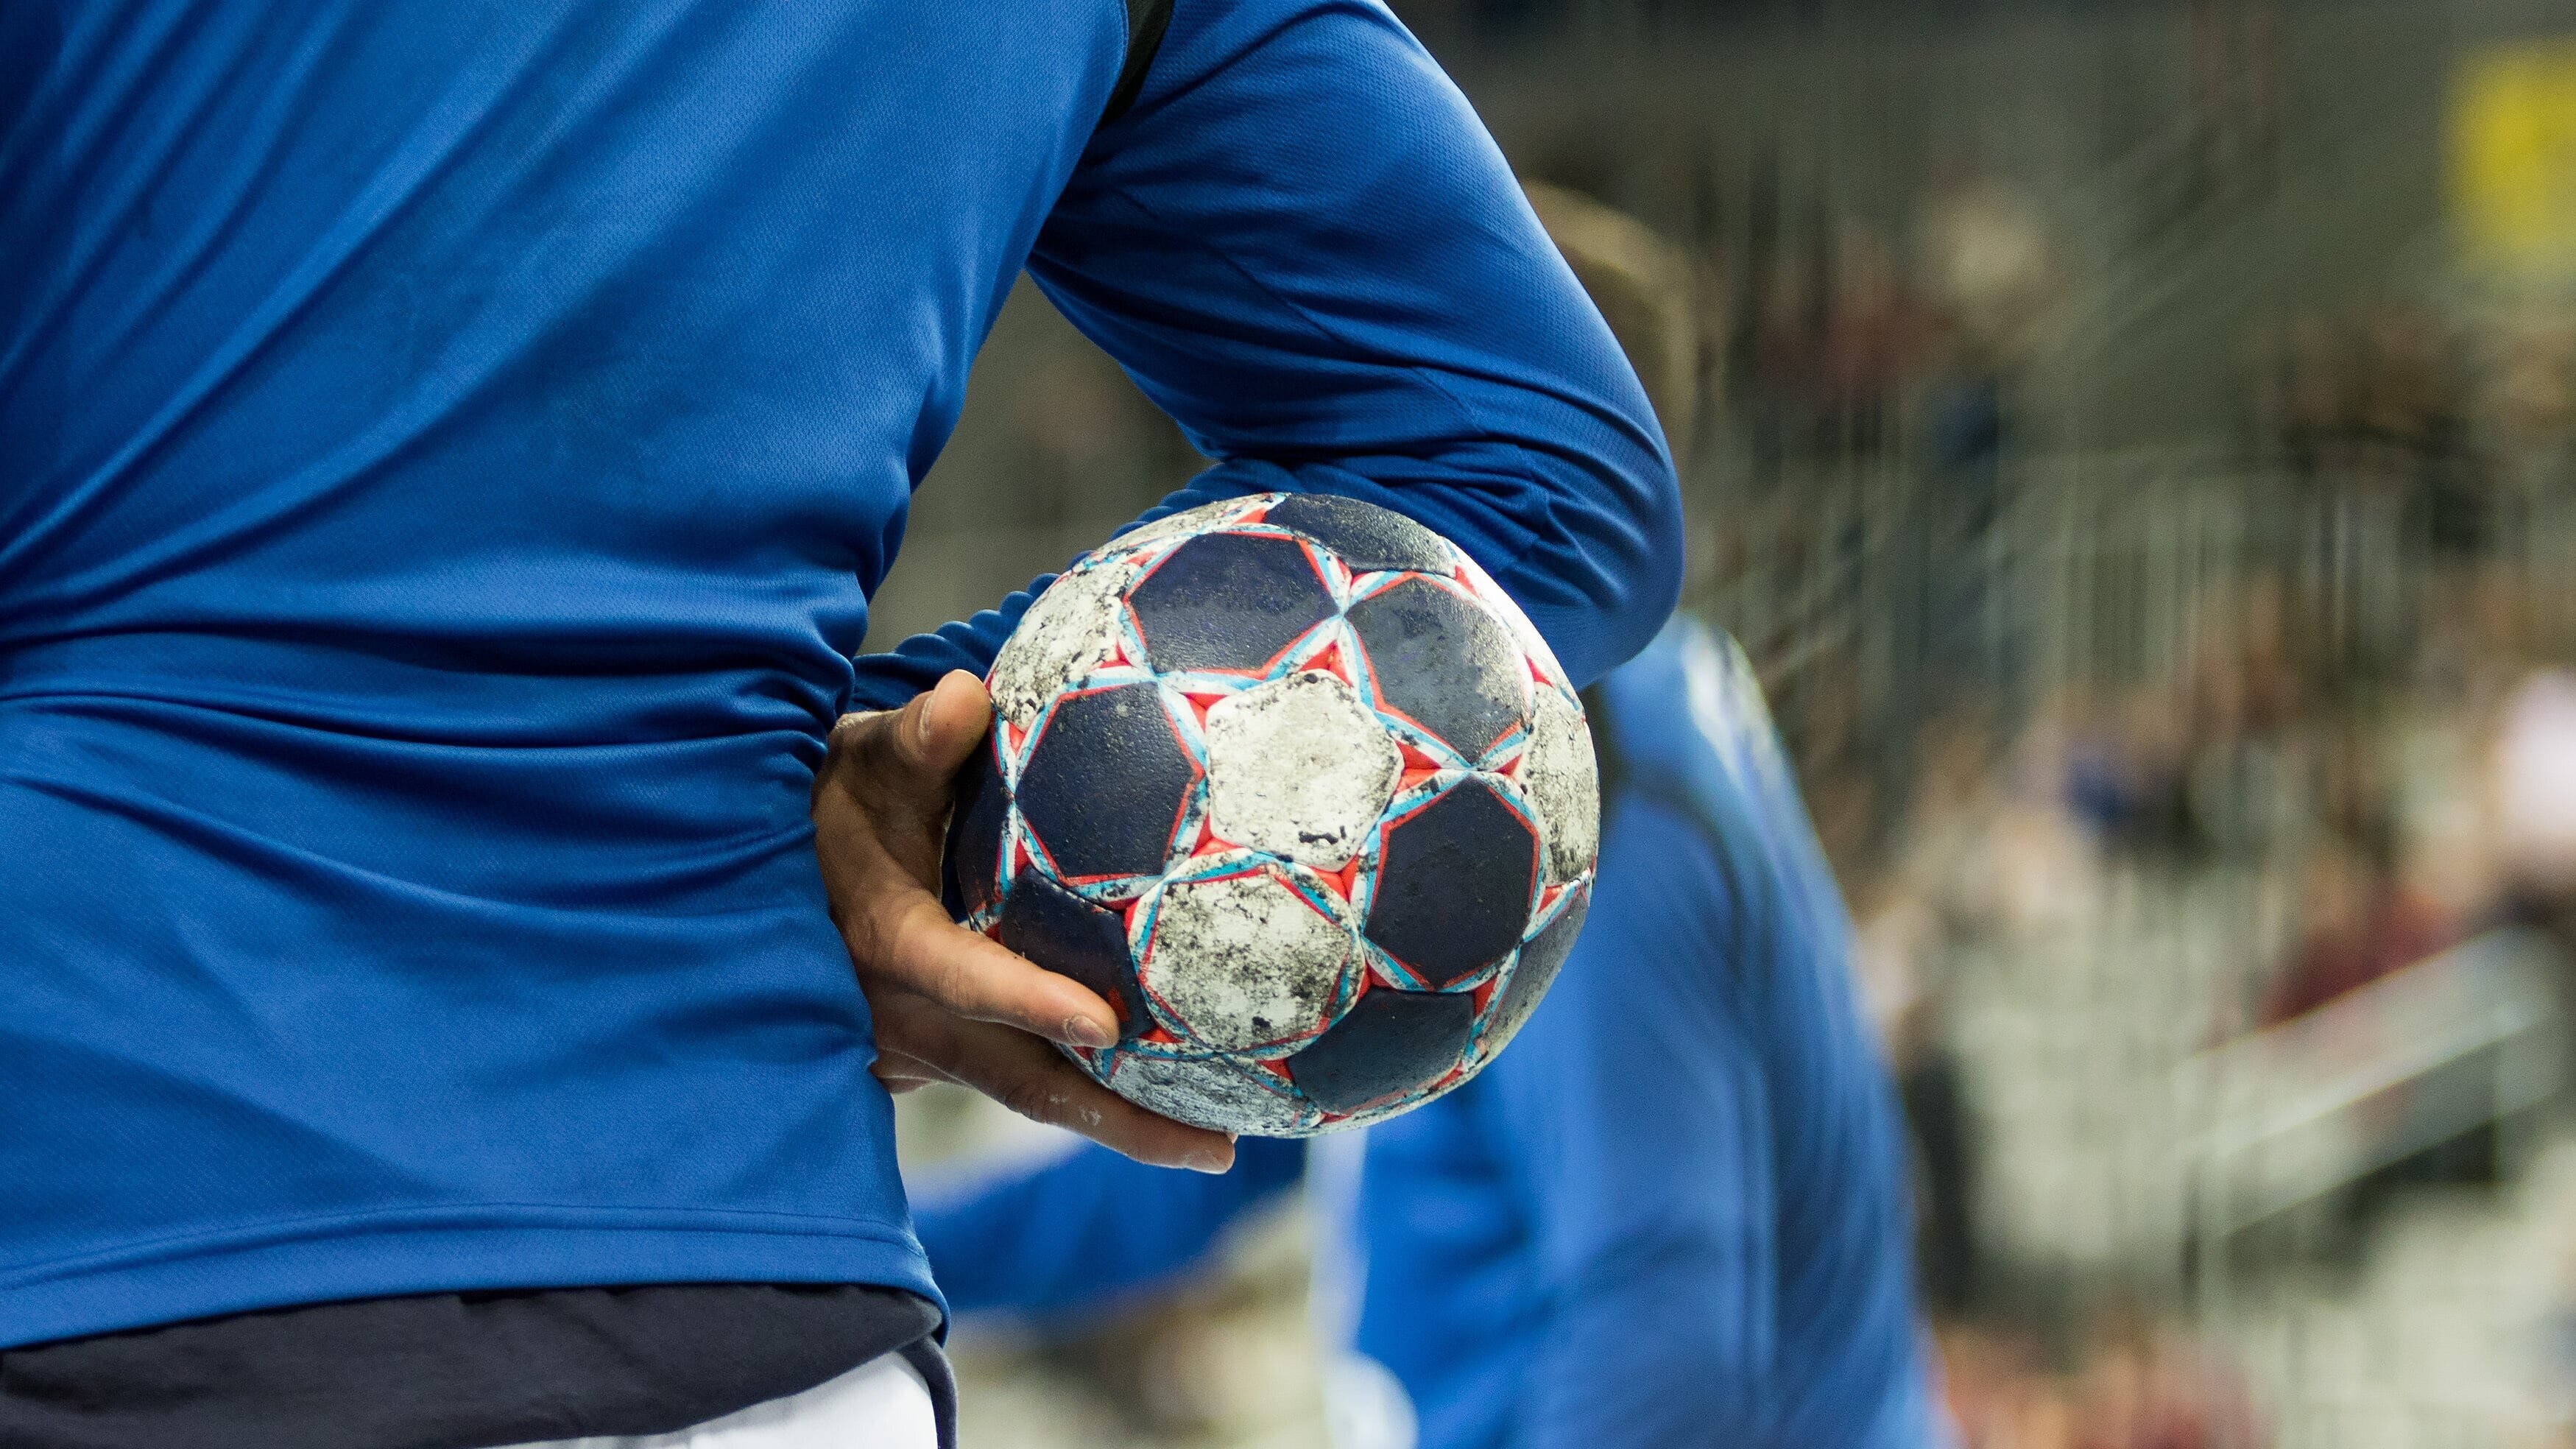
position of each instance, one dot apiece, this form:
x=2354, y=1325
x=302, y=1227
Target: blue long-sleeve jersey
x=1671, y=1214
x=445, y=454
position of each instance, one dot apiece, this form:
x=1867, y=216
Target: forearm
x=1076, y=1234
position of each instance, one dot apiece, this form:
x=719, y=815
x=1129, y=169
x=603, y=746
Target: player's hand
x=951, y=1005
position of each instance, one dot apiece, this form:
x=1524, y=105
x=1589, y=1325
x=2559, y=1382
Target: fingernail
x=1083, y=1031
x=1208, y=1162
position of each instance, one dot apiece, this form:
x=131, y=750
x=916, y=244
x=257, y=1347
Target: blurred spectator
x=2150, y=1386
x=2000, y=1393
x=2363, y=921
x=1895, y=949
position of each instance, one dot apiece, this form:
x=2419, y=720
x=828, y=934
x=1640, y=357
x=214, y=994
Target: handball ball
x=1295, y=788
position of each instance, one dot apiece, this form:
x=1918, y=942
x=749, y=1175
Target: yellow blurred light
x=2513, y=153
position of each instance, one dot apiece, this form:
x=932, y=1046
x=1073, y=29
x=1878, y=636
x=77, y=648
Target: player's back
x=445, y=450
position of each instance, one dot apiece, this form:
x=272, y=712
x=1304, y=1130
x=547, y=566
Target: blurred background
x=2136, y=440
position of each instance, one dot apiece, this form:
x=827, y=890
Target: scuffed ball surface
x=1291, y=784
x=1285, y=955
x=1300, y=768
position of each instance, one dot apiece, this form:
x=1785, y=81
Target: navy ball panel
x=1228, y=601
x=1072, y=937
x=1453, y=885
x=970, y=868
x=1443, y=663
x=1392, y=1041
x=1104, y=788
x=1539, y=963
x=1369, y=538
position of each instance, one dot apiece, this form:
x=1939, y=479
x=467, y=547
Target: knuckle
x=1035, y=1098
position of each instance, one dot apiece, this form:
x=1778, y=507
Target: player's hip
x=885, y=1403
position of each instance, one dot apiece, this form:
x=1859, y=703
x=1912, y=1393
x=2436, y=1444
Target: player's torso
x=444, y=451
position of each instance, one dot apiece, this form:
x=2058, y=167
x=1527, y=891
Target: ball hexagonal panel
x=1443, y=662
x=1368, y=538
x=1492, y=596
x=1069, y=631
x=1390, y=1042
x=1562, y=782
x=1119, y=734
x=1227, y=601
x=970, y=867
x=1244, y=959
x=1072, y=937
x=1205, y=1092
x=1453, y=885
x=1540, y=959
x=1299, y=768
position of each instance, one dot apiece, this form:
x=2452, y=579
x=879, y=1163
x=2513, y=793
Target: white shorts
x=881, y=1404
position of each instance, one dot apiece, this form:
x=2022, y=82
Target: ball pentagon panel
x=1532, y=643
x=1247, y=956
x=1121, y=733
x=971, y=865
x=1453, y=884
x=1368, y=538
x=1227, y=601
x=1540, y=959
x=1445, y=663
x=1389, y=1042
x=1299, y=768
x=1072, y=937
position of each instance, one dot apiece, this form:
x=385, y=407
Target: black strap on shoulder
x=1146, y=22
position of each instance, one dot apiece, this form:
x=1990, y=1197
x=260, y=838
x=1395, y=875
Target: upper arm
x=1078, y=1232
x=1303, y=246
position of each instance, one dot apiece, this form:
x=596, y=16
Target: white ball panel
x=1070, y=631
x=1204, y=518
x=1245, y=960
x=1299, y=768
x=1562, y=783
x=1204, y=1093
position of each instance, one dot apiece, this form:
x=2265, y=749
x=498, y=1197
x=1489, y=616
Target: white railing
x=2468, y=1037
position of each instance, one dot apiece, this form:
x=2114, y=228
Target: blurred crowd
x=2369, y=729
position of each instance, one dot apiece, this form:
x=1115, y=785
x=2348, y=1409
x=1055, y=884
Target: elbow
x=1629, y=540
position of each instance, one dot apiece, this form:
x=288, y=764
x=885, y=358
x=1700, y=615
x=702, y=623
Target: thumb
x=931, y=737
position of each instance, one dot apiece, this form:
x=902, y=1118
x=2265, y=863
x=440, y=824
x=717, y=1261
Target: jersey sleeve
x=1303, y=246
x=1081, y=1231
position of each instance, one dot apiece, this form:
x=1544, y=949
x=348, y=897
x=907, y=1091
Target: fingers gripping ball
x=1300, y=793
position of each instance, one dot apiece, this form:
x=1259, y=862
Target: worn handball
x=1294, y=787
